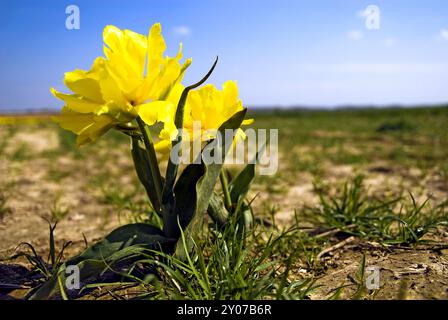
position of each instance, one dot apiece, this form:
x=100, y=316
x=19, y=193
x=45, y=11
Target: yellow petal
x=156, y=48
x=79, y=83
x=85, y=83
x=230, y=90
x=110, y=89
x=101, y=124
x=162, y=74
x=128, y=46
x=72, y=121
x=112, y=37
x=76, y=102
x=171, y=75
x=175, y=94
x=153, y=111
x=87, y=126
x=119, y=113
x=169, y=131
x=126, y=54
x=163, y=146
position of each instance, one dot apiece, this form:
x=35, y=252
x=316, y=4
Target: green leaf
x=241, y=184
x=142, y=234
x=185, y=199
x=206, y=184
x=247, y=217
x=47, y=290
x=141, y=163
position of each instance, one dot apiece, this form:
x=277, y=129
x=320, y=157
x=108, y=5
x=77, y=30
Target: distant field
x=381, y=156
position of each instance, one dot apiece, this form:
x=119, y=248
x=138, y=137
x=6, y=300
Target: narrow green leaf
x=241, y=184
x=141, y=163
x=185, y=199
x=128, y=235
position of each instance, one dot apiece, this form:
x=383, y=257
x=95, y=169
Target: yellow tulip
x=134, y=79
x=207, y=105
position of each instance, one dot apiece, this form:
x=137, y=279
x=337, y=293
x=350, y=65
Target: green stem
x=155, y=172
x=225, y=189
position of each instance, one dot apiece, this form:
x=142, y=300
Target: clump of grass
x=393, y=221
x=222, y=265
x=44, y=270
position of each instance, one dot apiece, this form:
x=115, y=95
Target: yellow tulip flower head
x=134, y=79
x=210, y=108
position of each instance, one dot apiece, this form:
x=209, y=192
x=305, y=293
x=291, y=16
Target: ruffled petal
x=156, y=48
x=85, y=83
x=126, y=54
x=76, y=102
x=87, y=126
x=154, y=111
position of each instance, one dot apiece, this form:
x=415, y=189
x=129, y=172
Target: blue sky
x=281, y=53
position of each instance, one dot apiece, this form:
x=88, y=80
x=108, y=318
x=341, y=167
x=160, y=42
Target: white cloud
x=389, y=42
x=182, y=31
x=444, y=34
x=355, y=35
